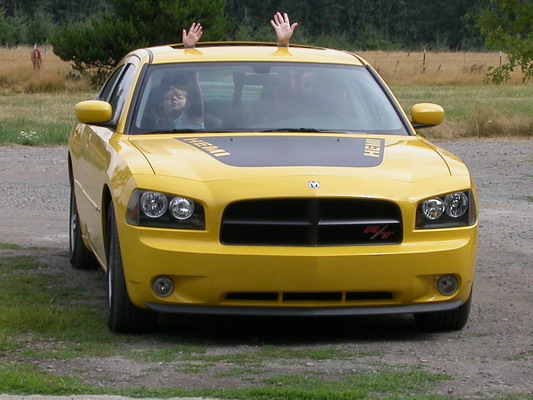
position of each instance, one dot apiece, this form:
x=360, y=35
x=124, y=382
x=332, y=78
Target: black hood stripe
x=292, y=151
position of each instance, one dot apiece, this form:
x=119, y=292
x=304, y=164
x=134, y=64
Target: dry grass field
x=18, y=76
x=36, y=105
x=429, y=69
x=398, y=69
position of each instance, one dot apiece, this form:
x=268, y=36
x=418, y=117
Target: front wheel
x=123, y=315
x=80, y=256
x=452, y=320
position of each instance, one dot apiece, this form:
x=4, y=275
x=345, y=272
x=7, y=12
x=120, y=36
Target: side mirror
x=425, y=115
x=93, y=112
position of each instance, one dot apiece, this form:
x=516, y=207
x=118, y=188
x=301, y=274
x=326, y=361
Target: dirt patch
x=493, y=355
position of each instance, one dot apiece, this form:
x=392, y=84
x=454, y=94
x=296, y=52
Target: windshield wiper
x=167, y=131
x=163, y=132
x=187, y=130
x=309, y=130
x=294, y=130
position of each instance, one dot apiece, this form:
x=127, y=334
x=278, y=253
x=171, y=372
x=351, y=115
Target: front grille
x=311, y=222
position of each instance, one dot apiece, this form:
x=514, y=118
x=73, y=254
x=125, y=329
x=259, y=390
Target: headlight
x=456, y=204
x=181, y=208
x=159, y=210
x=446, y=211
x=153, y=204
x=433, y=208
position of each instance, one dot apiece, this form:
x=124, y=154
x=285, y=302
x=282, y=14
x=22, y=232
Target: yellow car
x=247, y=179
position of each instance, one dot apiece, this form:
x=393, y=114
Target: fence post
x=424, y=62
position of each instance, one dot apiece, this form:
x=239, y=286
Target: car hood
x=222, y=157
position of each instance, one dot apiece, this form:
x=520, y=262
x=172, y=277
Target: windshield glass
x=262, y=97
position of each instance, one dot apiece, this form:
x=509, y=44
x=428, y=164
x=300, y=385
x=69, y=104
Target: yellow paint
x=204, y=271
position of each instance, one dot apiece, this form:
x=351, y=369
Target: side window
x=121, y=89
x=116, y=88
x=105, y=92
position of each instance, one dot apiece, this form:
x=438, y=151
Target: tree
x=506, y=26
x=5, y=31
x=19, y=29
x=365, y=24
x=69, y=11
x=99, y=44
x=351, y=24
x=40, y=28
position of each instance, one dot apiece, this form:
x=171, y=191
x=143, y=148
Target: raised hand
x=283, y=28
x=192, y=37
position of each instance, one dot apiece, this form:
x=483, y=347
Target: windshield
x=262, y=97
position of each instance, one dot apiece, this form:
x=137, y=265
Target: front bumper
x=244, y=280
x=302, y=312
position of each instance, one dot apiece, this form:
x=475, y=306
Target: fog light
x=163, y=286
x=447, y=285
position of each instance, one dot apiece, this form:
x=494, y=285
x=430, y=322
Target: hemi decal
x=207, y=147
x=373, y=147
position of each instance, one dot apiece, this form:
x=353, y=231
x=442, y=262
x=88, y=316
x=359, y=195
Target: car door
x=96, y=154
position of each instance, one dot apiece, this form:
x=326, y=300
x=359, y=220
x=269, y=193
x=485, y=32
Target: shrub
x=48, y=83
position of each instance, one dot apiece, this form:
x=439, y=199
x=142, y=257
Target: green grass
x=9, y=246
x=25, y=379
x=173, y=352
x=239, y=372
x=274, y=353
x=462, y=102
x=38, y=119
x=34, y=302
x=476, y=111
x=45, y=319
x=389, y=381
x=389, y=384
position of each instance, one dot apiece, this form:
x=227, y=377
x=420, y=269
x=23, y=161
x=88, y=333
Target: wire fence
x=19, y=60
x=422, y=62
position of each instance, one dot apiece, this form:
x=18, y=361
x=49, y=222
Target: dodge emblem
x=313, y=184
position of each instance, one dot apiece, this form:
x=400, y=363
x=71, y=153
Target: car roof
x=247, y=51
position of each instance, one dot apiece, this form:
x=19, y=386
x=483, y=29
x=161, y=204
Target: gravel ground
x=492, y=356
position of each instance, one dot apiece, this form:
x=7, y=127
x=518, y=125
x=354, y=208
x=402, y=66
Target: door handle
x=88, y=140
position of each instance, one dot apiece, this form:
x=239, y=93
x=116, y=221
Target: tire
x=452, y=320
x=80, y=256
x=122, y=316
